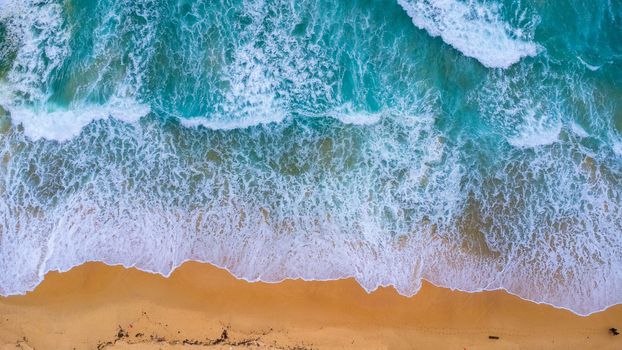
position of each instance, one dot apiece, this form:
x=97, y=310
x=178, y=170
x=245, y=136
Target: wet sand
x=95, y=306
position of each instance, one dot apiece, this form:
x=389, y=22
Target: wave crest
x=475, y=30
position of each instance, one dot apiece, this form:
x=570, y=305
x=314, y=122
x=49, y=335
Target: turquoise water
x=475, y=144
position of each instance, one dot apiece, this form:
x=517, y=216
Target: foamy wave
x=43, y=45
x=144, y=197
x=63, y=124
x=392, y=208
x=231, y=124
x=42, y=38
x=617, y=145
x=591, y=67
x=536, y=135
x=474, y=29
x=269, y=117
x=347, y=115
x=359, y=118
x=578, y=130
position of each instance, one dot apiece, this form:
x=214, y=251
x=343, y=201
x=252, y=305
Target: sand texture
x=95, y=306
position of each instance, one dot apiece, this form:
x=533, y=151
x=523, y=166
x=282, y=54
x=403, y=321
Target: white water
x=65, y=124
x=536, y=134
x=474, y=29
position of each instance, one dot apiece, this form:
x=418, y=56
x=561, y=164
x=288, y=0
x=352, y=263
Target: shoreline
x=100, y=306
x=424, y=281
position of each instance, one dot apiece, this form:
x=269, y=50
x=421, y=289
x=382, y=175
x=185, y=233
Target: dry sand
x=95, y=306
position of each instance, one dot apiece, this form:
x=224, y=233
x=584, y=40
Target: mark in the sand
x=223, y=337
x=122, y=333
x=23, y=345
x=103, y=345
x=157, y=338
x=127, y=336
x=493, y=337
x=614, y=331
x=192, y=342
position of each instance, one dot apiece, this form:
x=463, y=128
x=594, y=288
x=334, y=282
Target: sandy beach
x=95, y=306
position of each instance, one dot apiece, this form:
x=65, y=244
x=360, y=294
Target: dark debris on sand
x=224, y=339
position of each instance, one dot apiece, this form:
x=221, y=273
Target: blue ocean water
x=473, y=143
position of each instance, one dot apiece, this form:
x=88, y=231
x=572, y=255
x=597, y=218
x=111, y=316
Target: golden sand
x=96, y=306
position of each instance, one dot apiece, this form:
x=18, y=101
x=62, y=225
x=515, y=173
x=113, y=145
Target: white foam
x=578, y=130
x=43, y=45
x=43, y=39
x=536, y=135
x=233, y=123
x=64, y=124
x=588, y=66
x=347, y=114
x=359, y=118
x=261, y=117
x=164, y=199
x=474, y=29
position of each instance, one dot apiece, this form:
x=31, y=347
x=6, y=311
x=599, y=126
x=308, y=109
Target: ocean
x=476, y=144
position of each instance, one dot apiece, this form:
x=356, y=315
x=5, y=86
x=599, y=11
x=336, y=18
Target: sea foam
x=276, y=65
x=474, y=29
x=536, y=134
x=62, y=124
x=264, y=201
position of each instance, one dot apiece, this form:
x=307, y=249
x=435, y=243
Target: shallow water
x=476, y=144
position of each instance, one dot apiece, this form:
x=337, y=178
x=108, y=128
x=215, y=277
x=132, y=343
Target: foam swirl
x=476, y=30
